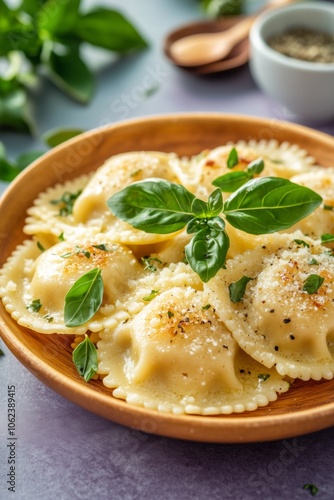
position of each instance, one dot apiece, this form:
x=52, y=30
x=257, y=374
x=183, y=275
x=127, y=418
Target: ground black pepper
x=305, y=44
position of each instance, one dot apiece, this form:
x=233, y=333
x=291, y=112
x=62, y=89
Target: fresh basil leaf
x=71, y=74
x=83, y=299
x=216, y=223
x=84, y=357
x=60, y=19
x=55, y=137
x=312, y=283
x=231, y=181
x=327, y=238
x=206, y=252
x=199, y=208
x=232, y=159
x=215, y=203
x=195, y=225
x=237, y=289
x=256, y=167
x=154, y=206
x=109, y=29
x=269, y=204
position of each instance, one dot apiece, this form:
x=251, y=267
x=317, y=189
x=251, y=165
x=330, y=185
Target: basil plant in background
x=218, y=8
x=48, y=35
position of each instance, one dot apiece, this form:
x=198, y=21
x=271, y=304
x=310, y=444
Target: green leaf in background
x=154, y=206
x=109, y=29
x=15, y=112
x=83, y=299
x=218, y=8
x=84, y=357
x=58, y=19
x=71, y=74
x=25, y=159
x=269, y=204
x=9, y=170
x=206, y=252
x=57, y=136
x=31, y=6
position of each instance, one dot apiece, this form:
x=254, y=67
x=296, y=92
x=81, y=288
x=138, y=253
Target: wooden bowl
x=305, y=408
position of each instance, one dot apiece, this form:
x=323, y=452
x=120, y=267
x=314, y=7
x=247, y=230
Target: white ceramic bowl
x=304, y=88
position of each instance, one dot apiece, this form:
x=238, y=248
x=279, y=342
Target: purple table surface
x=64, y=452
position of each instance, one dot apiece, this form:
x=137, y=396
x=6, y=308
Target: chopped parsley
x=151, y=296
x=66, y=202
x=34, y=306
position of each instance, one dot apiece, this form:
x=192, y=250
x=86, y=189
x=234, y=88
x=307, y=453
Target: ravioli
x=118, y=172
x=278, y=322
x=175, y=356
x=281, y=160
x=321, y=221
x=50, y=217
x=35, y=293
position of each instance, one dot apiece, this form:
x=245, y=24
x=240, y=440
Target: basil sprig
x=84, y=298
x=84, y=357
x=261, y=206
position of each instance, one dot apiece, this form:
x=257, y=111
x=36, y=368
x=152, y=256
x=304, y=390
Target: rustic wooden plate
x=305, y=408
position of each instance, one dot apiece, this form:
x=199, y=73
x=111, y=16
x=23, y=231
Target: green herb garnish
x=263, y=376
x=84, y=298
x=34, y=306
x=302, y=243
x=40, y=246
x=237, y=289
x=311, y=488
x=1, y=353
x=77, y=251
x=261, y=206
x=148, y=266
x=151, y=295
x=313, y=283
x=327, y=238
x=232, y=181
x=85, y=358
x=66, y=202
x=232, y=159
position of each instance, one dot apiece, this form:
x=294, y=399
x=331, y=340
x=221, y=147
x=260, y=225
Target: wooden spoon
x=204, y=48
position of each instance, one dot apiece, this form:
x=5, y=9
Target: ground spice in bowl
x=305, y=44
